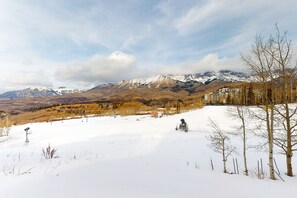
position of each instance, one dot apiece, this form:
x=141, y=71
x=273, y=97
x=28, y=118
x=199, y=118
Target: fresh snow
x=39, y=91
x=134, y=156
x=184, y=78
x=57, y=91
x=144, y=81
x=224, y=75
x=64, y=90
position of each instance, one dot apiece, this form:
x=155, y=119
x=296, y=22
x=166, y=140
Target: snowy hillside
x=65, y=90
x=130, y=157
x=39, y=92
x=224, y=75
x=159, y=79
x=205, y=78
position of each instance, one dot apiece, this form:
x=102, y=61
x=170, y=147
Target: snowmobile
x=183, y=126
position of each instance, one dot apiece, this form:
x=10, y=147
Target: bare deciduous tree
x=241, y=112
x=281, y=51
x=271, y=62
x=286, y=134
x=261, y=65
x=220, y=143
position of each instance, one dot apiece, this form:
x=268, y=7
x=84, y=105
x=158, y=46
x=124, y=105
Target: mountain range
x=157, y=90
x=166, y=87
x=39, y=92
x=187, y=82
x=201, y=78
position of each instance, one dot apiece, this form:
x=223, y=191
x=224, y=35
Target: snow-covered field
x=135, y=156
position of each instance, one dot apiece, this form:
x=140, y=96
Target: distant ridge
x=204, y=78
x=157, y=90
x=38, y=92
x=190, y=83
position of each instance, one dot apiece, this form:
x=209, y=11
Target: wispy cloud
x=212, y=13
x=198, y=17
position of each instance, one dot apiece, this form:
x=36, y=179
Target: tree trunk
x=224, y=157
x=289, y=152
x=244, y=141
x=289, y=164
x=244, y=152
x=225, y=167
x=269, y=122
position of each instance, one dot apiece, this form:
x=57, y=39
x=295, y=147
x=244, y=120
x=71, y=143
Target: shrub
x=49, y=152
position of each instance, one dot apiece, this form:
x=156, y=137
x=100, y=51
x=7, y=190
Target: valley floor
x=134, y=156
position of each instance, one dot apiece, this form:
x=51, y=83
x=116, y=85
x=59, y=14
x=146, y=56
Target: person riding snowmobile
x=183, y=126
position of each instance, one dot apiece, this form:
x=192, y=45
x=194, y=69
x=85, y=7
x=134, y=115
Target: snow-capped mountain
x=64, y=90
x=137, y=82
x=204, y=78
x=224, y=75
x=184, y=78
x=187, y=82
x=39, y=92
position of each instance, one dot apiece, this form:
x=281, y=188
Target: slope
x=135, y=156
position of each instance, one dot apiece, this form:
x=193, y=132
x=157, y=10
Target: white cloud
x=20, y=72
x=99, y=69
x=210, y=62
x=26, y=79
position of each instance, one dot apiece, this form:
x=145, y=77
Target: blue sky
x=82, y=43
